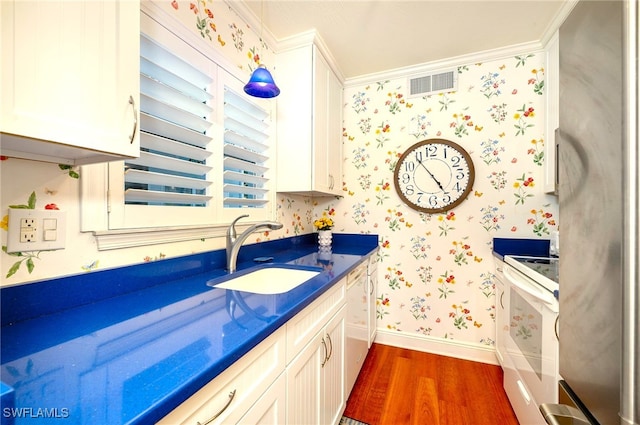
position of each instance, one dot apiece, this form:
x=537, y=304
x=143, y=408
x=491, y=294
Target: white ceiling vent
x=440, y=82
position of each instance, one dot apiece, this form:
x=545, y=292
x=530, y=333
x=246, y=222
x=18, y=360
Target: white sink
x=270, y=280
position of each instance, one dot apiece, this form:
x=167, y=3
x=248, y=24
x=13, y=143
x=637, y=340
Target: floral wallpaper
x=436, y=278
x=435, y=271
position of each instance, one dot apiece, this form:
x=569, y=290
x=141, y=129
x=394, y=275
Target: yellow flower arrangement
x=323, y=223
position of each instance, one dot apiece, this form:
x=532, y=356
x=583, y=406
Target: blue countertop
x=128, y=345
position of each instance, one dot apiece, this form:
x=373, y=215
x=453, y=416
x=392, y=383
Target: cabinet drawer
x=249, y=377
x=307, y=323
x=356, y=274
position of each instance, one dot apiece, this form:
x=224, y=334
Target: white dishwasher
x=357, y=324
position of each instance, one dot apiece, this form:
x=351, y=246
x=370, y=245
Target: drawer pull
x=331, y=347
x=324, y=361
x=232, y=394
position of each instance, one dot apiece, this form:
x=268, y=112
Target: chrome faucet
x=234, y=242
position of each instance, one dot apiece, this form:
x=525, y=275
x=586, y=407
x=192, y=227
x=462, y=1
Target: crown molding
x=453, y=62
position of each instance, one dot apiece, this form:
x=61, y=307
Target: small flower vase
x=324, y=237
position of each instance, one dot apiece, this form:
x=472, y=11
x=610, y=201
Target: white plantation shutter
x=174, y=120
x=246, y=137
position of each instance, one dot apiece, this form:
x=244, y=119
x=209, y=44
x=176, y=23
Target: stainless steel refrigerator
x=598, y=193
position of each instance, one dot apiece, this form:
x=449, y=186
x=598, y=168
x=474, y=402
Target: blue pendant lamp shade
x=261, y=84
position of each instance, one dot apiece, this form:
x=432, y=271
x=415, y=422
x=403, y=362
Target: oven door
x=532, y=346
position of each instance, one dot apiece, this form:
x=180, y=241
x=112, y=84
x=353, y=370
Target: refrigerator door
x=591, y=205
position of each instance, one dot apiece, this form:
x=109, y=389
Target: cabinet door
x=333, y=371
x=70, y=76
x=309, y=124
x=327, y=140
x=334, y=136
x=304, y=383
x=270, y=408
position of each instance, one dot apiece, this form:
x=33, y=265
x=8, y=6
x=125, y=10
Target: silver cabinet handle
x=330, y=346
x=324, y=361
x=232, y=394
x=135, y=119
x=502, y=299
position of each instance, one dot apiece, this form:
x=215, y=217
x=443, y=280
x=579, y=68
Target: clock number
x=433, y=200
x=446, y=198
x=455, y=161
x=409, y=189
x=406, y=178
x=432, y=151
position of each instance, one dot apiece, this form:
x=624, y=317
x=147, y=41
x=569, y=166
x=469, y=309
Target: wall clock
x=434, y=175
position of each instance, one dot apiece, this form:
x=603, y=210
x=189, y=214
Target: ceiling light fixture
x=261, y=83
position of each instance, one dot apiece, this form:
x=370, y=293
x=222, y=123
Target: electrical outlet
x=27, y=223
x=27, y=236
x=36, y=230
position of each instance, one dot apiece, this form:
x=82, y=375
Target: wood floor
x=399, y=386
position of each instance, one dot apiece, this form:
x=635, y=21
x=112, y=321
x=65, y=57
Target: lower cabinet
x=315, y=378
x=233, y=393
x=295, y=376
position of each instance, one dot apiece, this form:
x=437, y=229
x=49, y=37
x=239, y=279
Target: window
x=206, y=153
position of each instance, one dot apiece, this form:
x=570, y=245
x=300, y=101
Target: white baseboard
x=446, y=347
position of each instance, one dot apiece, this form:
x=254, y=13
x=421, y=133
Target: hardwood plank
x=425, y=404
x=401, y=386
x=399, y=403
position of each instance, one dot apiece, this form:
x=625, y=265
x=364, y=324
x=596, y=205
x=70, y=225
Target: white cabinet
x=70, y=80
x=309, y=131
x=315, y=356
x=315, y=378
x=233, y=393
x=552, y=121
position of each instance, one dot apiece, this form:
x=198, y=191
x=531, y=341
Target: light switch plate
x=36, y=230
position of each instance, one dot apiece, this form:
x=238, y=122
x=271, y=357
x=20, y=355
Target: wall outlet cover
x=36, y=230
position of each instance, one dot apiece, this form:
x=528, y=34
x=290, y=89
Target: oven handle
x=525, y=284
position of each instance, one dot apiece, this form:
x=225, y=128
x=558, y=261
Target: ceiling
x=368, y=37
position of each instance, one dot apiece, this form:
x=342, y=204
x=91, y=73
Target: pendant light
x=261, y=83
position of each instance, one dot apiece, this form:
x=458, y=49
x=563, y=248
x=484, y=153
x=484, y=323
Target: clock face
x=434, y=175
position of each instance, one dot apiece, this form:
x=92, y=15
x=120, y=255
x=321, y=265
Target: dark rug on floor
x=349, y=421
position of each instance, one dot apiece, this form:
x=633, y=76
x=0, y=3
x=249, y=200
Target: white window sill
x=129, y=238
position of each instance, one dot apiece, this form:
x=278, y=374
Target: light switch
x=49, y=224
x=50, y=235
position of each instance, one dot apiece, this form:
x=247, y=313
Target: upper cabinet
x=70, y=80
x=309, y=111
